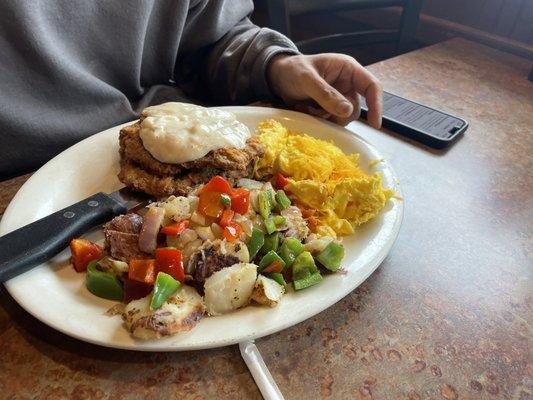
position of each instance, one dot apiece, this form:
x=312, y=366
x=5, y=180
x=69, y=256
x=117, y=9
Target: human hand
x=331, y=80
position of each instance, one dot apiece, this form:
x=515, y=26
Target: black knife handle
x=39, y=241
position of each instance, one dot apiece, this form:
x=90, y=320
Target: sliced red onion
x=151, y=225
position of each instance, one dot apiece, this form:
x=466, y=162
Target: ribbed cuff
x=279, y=44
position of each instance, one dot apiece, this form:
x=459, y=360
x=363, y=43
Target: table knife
x=33, y=244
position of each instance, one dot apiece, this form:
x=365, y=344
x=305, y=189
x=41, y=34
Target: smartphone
x=427, y=125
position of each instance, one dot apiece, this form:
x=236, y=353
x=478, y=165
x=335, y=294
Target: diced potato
x=181, y=240
x=176, y=208
x=190, y=248
x=237, y=249
x=230, y=288
x=193, y=201
x=199, y=219
x=180, y=313
x=267, y=291
x=205, y=233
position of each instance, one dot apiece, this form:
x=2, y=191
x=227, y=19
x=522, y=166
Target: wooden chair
x=280, y=11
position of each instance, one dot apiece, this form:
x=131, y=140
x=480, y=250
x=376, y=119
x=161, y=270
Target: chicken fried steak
x=141, y=171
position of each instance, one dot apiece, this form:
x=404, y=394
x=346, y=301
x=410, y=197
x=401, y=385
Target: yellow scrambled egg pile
x=322, y=178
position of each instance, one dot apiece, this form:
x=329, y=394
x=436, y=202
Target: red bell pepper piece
x=276, y=266
x=210, y=204
x=169, y=261
x=134, y=290
x=240, y=200
x=280, y=181
x=175, y=229
x=83, y=252
x=227, y=216
x=232, y=231
x=142, y=271
x=217, y=184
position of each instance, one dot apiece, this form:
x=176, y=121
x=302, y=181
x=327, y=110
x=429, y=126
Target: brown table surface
x=446, y=316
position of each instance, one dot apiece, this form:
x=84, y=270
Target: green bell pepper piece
x=282, y=200
x=165, y=286
x=269, y=258
x=290, y=249
x=269, y=194
x=271, y=243
x=303, y=266
x=311, y=280
x=226, y=200
x=276, y=276
x=279, y=220
x=270, y=225
x=103, y=284
x=273, y=223
x=264, y=205
x=331, y=256
x=256, y=242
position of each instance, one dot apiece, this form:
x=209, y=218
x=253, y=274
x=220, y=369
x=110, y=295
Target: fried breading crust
x=180, y=185
x=132, y=149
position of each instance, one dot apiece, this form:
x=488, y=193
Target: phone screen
x=418, y=116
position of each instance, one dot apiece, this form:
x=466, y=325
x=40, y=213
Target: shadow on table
x=414, y=143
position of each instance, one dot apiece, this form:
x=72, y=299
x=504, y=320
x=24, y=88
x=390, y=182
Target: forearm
x=237, y=65
x=225, y=54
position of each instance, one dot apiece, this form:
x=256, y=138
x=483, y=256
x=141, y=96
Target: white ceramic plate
x=57, y=296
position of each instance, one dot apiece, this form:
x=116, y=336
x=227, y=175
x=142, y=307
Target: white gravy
x=180, y=132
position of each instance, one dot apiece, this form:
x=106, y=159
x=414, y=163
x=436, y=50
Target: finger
x=368, y=86
x=356, y=106
x=374, y=100
x=355, y=114
x=329, y=98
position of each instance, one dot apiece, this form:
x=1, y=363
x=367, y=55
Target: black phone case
x=417, y=134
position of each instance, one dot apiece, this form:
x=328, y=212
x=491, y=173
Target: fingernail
x=344, y=108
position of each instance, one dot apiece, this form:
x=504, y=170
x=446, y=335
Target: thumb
x=329, y=98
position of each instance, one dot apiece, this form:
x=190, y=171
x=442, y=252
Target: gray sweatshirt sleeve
x=233, y=68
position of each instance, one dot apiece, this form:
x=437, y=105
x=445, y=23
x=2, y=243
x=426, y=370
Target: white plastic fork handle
x=264, y=381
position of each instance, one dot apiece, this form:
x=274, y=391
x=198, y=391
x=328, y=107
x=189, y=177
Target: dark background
x=503, y=24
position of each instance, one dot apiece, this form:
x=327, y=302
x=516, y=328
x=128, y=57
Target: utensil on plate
x=33, y=244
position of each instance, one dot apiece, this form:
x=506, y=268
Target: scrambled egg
x=322, y=178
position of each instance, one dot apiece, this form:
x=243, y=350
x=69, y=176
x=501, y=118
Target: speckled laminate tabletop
x=446, y=316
